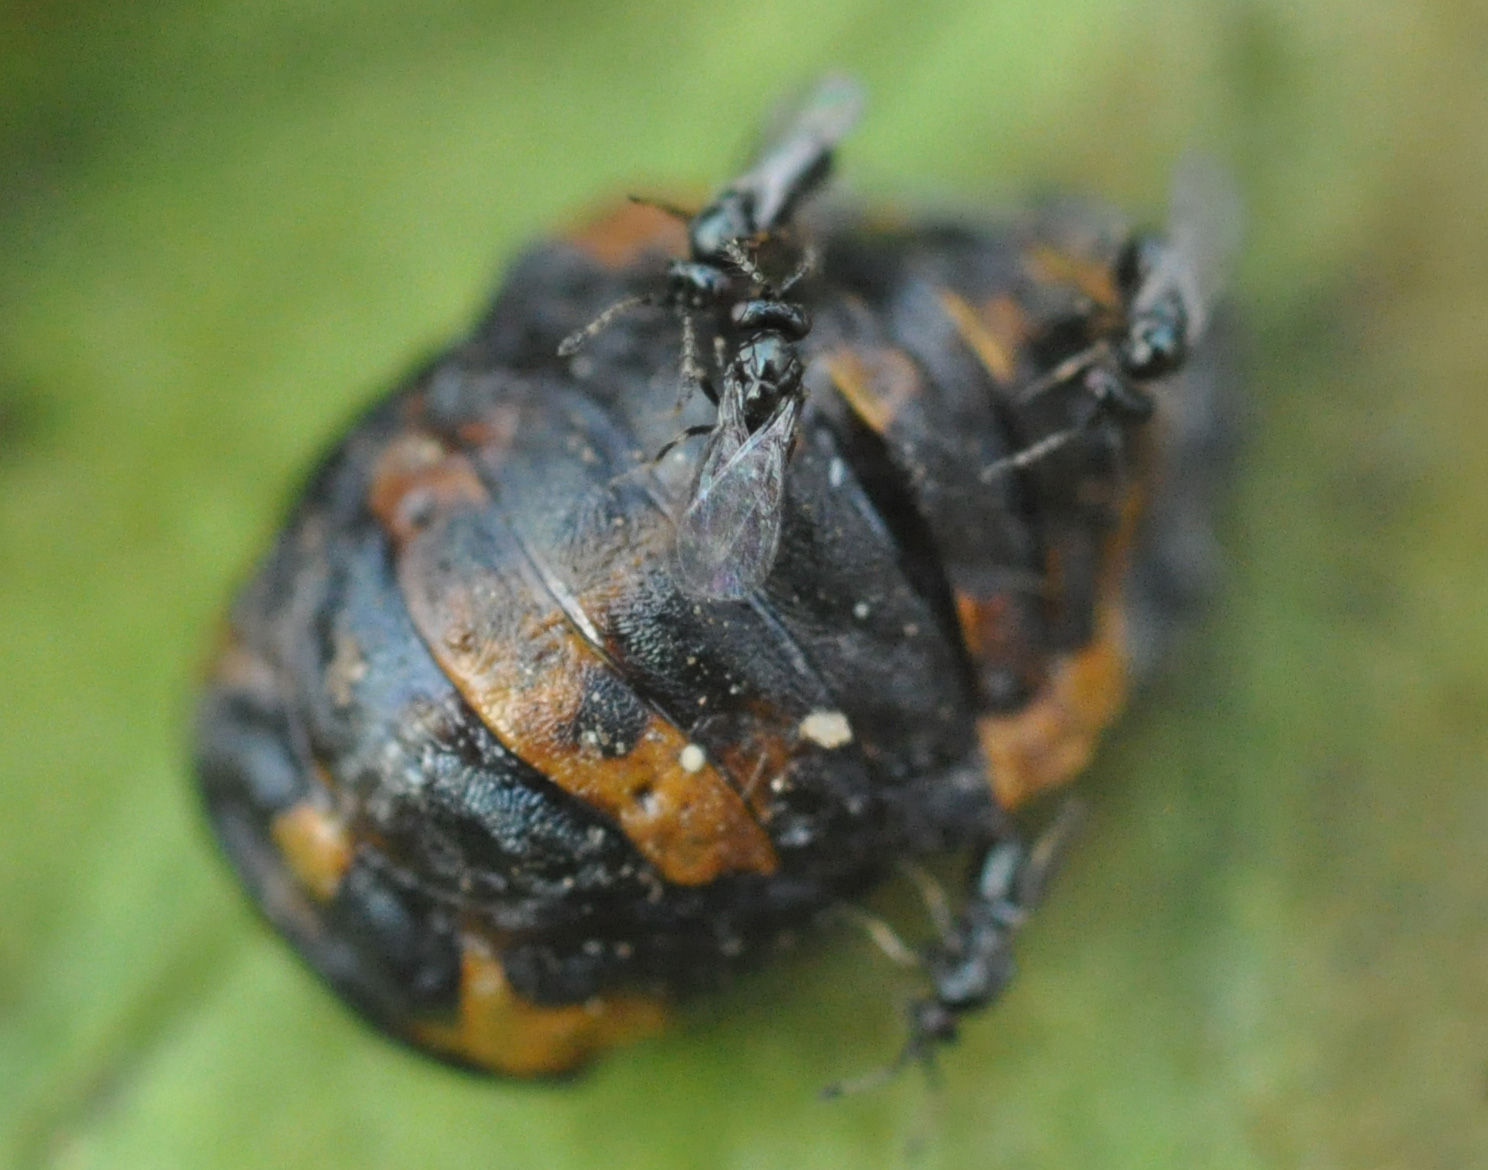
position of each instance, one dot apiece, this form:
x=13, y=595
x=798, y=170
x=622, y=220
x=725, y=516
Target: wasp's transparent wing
x=729, y=532
x=1205, y=224
x=797, y=153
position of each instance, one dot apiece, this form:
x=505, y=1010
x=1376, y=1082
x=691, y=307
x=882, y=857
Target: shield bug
x=512, y=783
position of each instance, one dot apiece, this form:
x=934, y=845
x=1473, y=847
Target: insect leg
x=1108, y=392
x=1048, y=852
x=1063, y=372
x=919, y=1047
x=884, y=936
x=932, y=894
x=1029, y=455
x=571, y=344
x=805, y=268
x=681, y=437
x=693, y=375
x=745, y=262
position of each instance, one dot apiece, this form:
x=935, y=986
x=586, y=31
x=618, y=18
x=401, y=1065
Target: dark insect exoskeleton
x=970, y=962
x=512, y=786
x=1169, y=284
x=728, y=533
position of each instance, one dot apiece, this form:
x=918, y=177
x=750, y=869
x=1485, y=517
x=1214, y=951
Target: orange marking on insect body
x=629, y=232
x=316, y=847
x=493, y=430
x=415, y=480
x=1006, y=321
x=497, y=1029
x=996, y=631
x=1094, y=279
x=529, y=675
x=760, y=742
x=1051, y=740
x=996, y=357
x=688, y=823
x=877, y=381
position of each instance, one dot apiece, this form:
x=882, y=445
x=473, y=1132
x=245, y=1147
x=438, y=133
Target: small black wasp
x=1169, y=284
x=970, y=963
x=729, y=529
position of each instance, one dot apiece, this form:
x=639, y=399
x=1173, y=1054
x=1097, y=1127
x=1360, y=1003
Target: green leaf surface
x=224, y=226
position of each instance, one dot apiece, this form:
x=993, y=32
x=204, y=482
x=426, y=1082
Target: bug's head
x=695, y=285
x=1155, y=343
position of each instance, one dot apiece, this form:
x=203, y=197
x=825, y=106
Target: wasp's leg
x=574, y=342
x=693, y=375
x=932, y=894
x=805, y=268
x=746, y=264
x=882, y=935
x=682, y=437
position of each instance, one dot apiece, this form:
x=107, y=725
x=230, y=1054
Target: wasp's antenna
x=662, y=205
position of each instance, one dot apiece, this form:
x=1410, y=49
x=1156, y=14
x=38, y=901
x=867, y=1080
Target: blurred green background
x=224, y=226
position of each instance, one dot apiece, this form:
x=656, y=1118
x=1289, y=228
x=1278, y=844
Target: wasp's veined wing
x=1205, y=222
x=729, y=532
x=797, y=153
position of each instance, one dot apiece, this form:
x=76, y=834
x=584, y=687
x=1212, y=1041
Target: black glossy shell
x=508, y=789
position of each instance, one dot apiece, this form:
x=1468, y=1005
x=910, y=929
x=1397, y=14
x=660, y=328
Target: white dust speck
x=829, y=729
